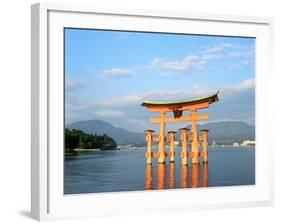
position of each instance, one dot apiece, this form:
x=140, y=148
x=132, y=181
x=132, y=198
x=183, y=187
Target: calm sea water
x=112, y=171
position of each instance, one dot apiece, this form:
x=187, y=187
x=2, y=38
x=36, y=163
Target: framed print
x=148, y=111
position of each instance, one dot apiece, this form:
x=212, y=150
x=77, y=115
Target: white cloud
x=209, y=57
x=193, y=92
x=116, y=102
x=235, y=66
x=184, y=65
x=247, y=84
x=71, y=84
x=109, y=113
x=218, y=49
x=236, y=103
x=242, y=51
x=199, y=91
x=192, y=62
x=117, y=73
x=235, y=54
x=246, y=62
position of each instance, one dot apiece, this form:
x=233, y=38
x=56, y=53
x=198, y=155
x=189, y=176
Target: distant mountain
x=228, y=131
x=120, y=135
x=221, y=132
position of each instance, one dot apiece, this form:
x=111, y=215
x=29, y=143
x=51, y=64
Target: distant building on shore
x=248, y=143
x=235, y=144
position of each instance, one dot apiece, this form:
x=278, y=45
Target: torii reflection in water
x=166, y=176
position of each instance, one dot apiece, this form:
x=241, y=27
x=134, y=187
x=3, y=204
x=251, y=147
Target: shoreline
x=211, y=148
x=87, y=150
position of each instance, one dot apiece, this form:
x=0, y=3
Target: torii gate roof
x=186, y=102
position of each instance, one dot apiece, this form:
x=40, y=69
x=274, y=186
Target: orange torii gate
x=177, y=107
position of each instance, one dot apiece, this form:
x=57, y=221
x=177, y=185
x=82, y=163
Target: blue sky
x=109, y=73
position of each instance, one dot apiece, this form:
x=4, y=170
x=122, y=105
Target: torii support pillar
x=205, y=145
x=172, y=146
x=184, y=154
x=205, y=175
x=184, y=176
x=149, y=178
x=172, y=175
x=149, y=138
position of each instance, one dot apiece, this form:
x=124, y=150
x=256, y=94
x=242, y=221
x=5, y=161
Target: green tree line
x=78, y=139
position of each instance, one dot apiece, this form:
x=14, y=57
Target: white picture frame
x=48, y=201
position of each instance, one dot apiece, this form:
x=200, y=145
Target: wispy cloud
x=194, y=92
x=109, y=113
x=117, y=73
x=236, y=103
x=199, y=91
x=235, y=66
x=72, y=84
x=218, y=49
x=235, y=54
x=71, y=87
x=200, y=59
x=183, y=66
x=244, y=55
x=247, y=84
x=114, y=102
x=191, y=62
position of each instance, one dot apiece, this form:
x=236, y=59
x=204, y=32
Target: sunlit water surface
x=126, y=170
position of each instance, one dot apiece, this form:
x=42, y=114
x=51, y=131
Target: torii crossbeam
x=178, y=107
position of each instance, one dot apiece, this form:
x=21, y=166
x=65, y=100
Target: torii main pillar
x=161, y=151
x=194, y=142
